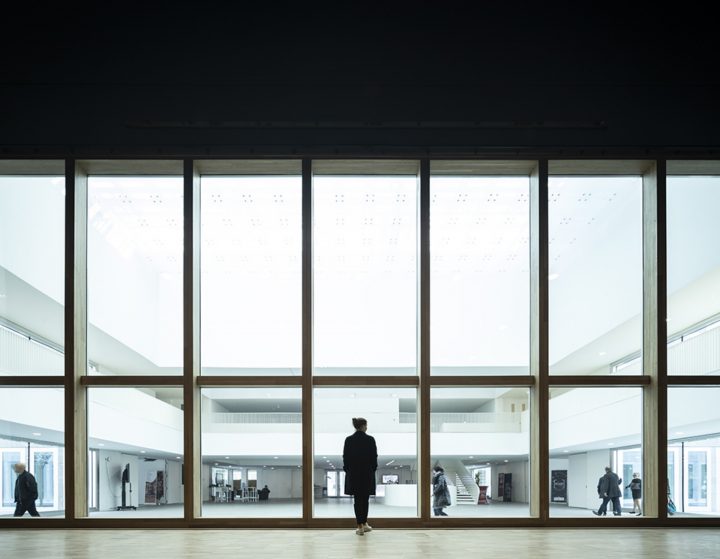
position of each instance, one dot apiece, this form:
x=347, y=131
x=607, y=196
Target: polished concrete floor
x=398, y=544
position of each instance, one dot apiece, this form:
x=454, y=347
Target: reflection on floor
x=308, y=544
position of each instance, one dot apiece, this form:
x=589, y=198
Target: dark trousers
x=617, y=507
x=20, y=509
x=437, y=511
x=362, y=505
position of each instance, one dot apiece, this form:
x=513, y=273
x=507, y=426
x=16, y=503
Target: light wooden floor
x=395, y=544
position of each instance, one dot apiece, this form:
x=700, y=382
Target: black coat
x=360, y=464
x=26, y=490
x=608, y=485
x=441, y=492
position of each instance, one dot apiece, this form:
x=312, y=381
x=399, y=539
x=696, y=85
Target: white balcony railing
x=439, y=422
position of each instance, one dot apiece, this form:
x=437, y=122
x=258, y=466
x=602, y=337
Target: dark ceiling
x=221, y=77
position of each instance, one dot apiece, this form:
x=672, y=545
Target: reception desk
x=397, y=495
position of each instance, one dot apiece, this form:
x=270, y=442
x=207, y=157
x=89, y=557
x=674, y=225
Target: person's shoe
x=360, y=532
x=367, y=528
x=638, y=514
x=444, y=514
x=617, y=514
x=596, y=513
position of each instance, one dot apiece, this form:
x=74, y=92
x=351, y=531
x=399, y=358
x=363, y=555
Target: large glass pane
x=251, y=275
x=592, y=429
x=365, y=275
x=480, y=438
x=32, y=267
x=252, y=452
x=135, y=252
x=694, y=444
x=392, y=420
x=595, y=258
x=138, y=436
x=32, y=433
x=693, y=275
x=480, y=275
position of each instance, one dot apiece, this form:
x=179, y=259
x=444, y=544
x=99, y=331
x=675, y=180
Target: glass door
x=696, y=479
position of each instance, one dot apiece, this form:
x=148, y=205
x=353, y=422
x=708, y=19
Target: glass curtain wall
x=362, y=281
x=134, y=274
x=365, y=247
x=251, y=259
x=480, y=272
x=32, y=269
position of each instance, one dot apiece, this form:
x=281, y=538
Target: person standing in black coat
x=26, y=491
x=441, y=492
x=360, y=464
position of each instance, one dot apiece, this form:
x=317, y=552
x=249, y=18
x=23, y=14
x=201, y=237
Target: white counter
x=397, y=495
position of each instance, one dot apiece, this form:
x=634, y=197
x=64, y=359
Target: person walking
x=26, y=491
x=635, y=487
x=360, y=464
x=441, y=493
x=609, y=490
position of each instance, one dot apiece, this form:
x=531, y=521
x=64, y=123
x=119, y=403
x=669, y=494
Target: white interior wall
x=111, y=465
x=520, y=479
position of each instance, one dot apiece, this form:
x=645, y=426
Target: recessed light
x=275, y=457
x=471, y=457
x=611, y=444
x=227, y=458
x=552, y=277
x=37, y=434
x=101, y=444
x=324, y=457
x=142, y=452
x=566, y=451
x=507, y=460
x=177, y=458
x=602, y=353
x=679, y=432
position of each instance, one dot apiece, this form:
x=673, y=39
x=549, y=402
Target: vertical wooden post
x=424, y=339
x=539, y=394
x=191, y=340
x=76, y=447
x=655, y=342
x=308, y=459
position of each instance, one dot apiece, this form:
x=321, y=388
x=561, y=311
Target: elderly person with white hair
x=26, y=491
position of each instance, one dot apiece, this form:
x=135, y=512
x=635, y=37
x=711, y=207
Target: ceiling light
x=227, y=458
x=37, y=434
x=602, y=353
x=471, y=457
x=142, y=452
x=275, y=457
x=101, y=444
x=566, y=451
x=679, y=432
x=611, y=444
x=552, y=277
x=177, y=458
x=507, y=460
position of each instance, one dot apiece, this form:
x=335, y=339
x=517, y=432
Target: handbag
x=671, y=508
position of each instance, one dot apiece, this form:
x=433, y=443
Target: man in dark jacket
x=609, y=490
x=360, y=464
x=26, y=491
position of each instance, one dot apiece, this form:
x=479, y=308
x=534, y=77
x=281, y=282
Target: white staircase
x=467, y=490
